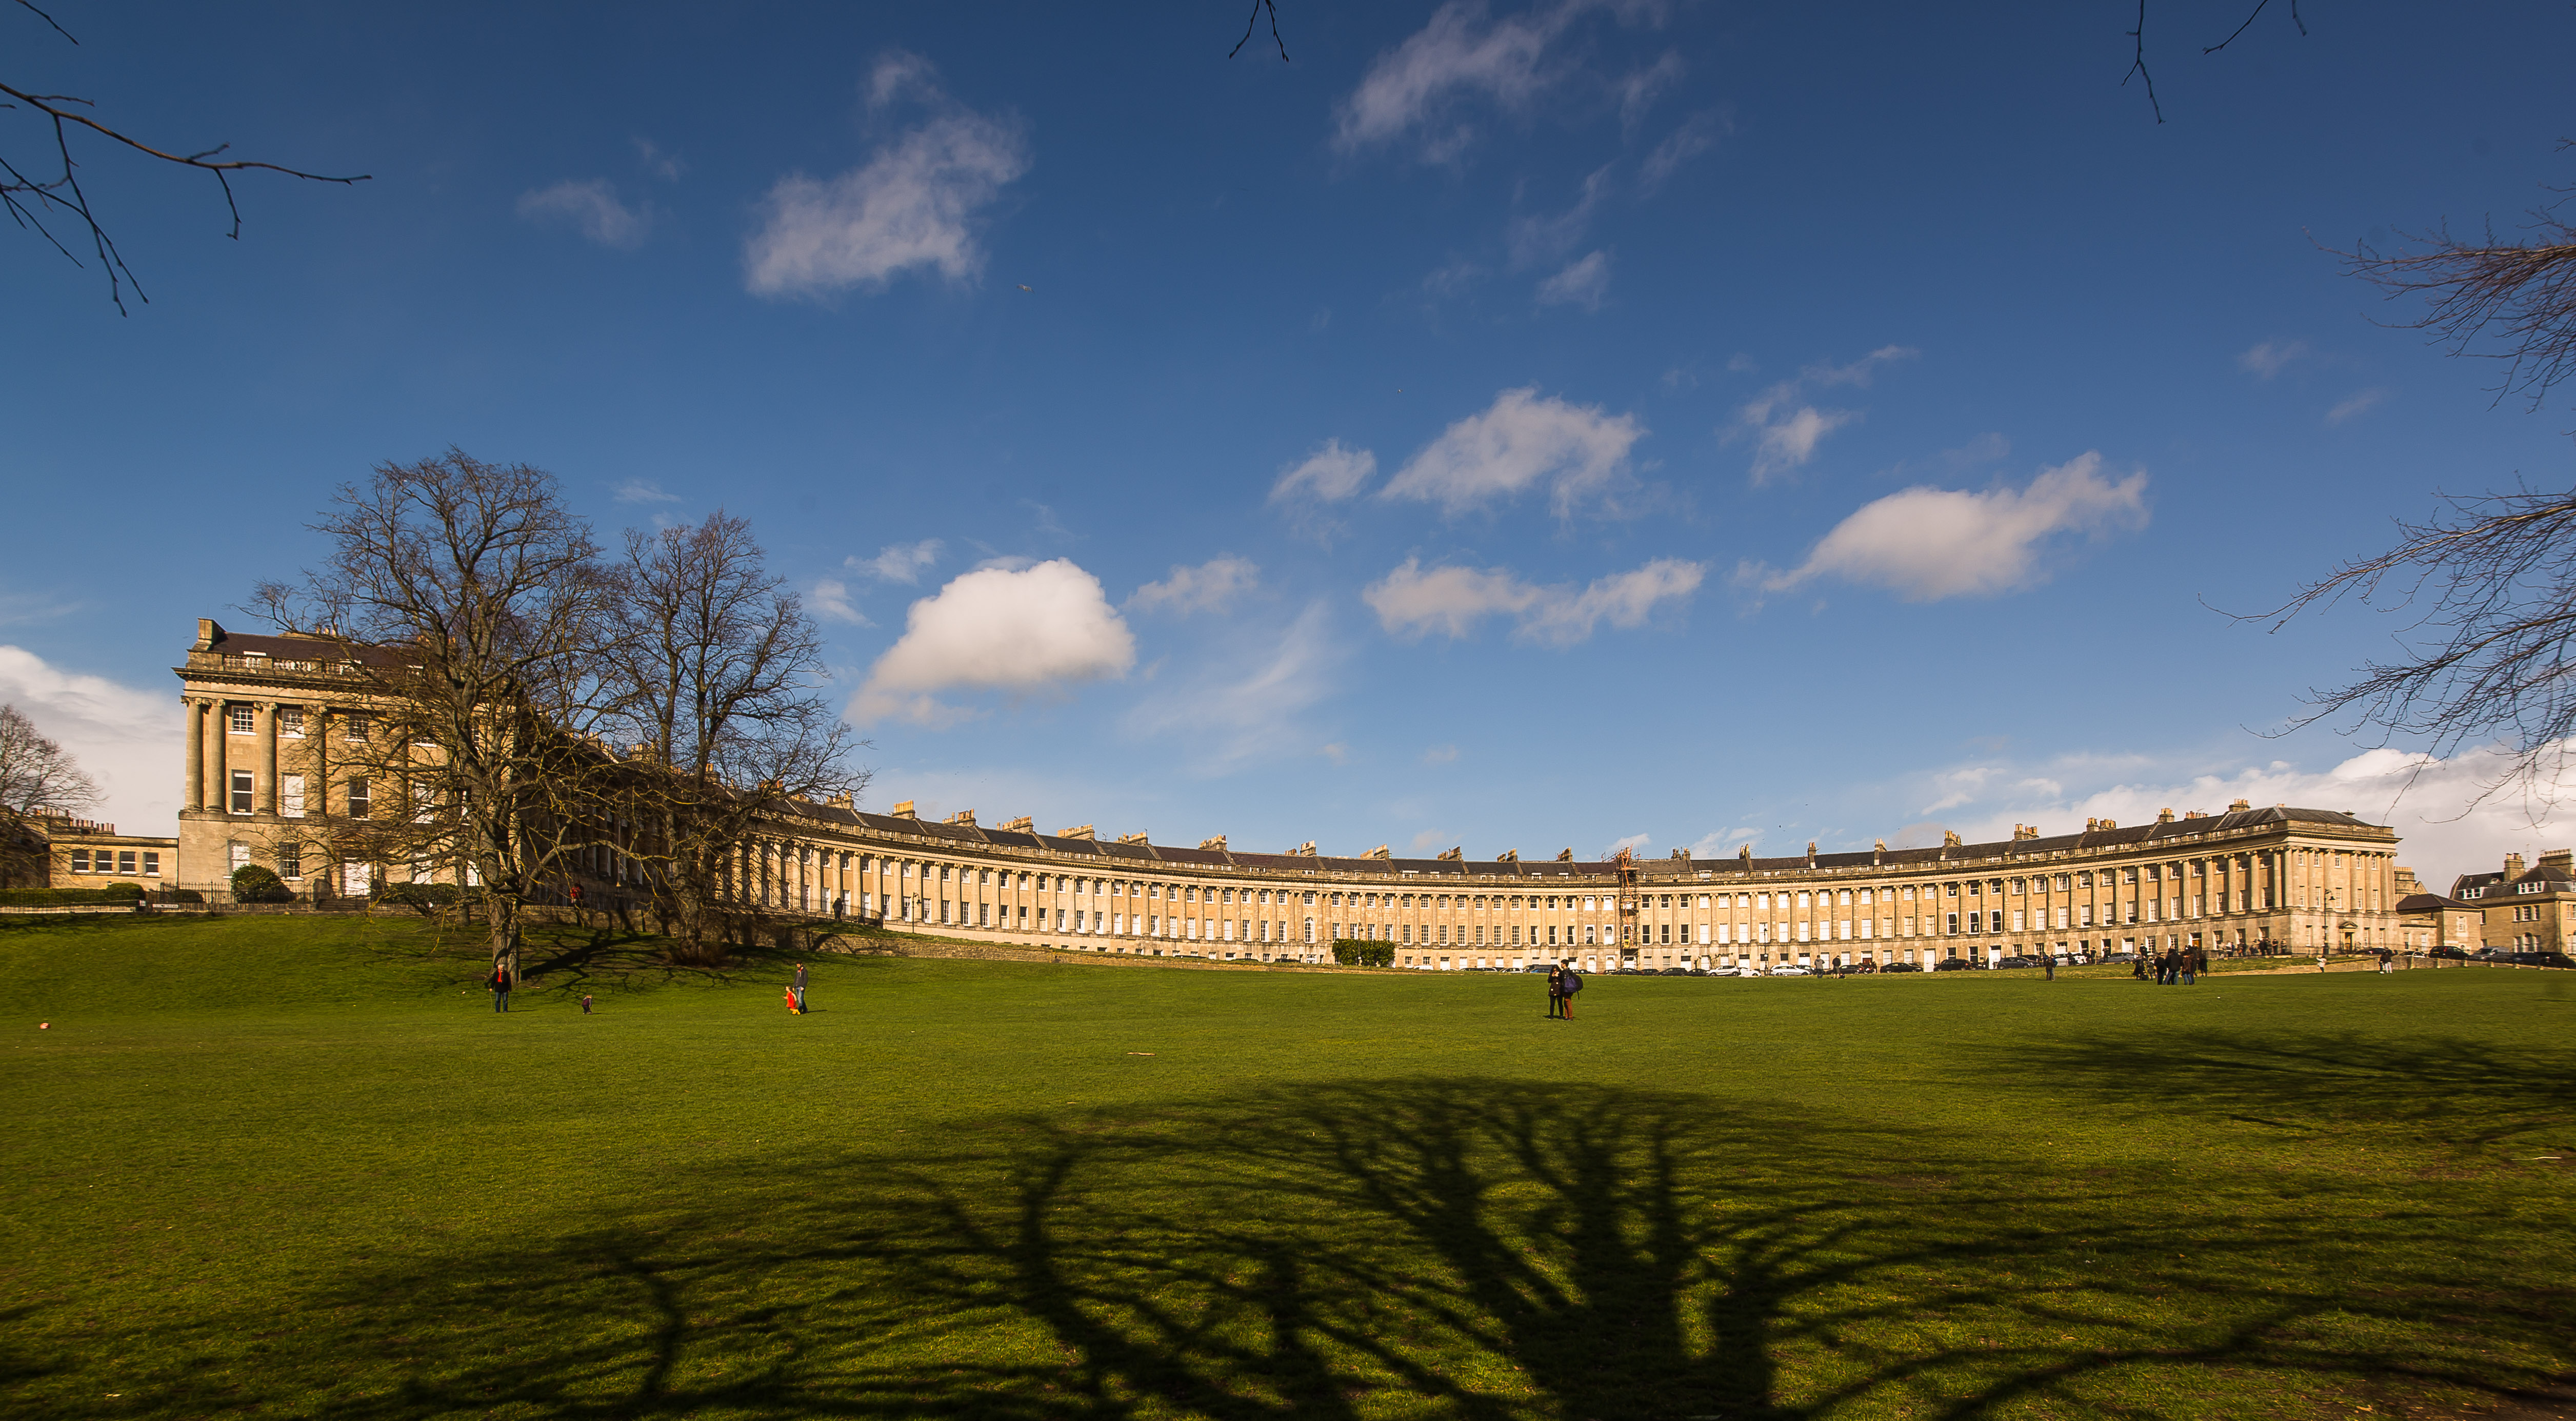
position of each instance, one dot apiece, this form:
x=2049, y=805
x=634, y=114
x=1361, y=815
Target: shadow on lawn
x=1471, y=1248
x=2447, y=1091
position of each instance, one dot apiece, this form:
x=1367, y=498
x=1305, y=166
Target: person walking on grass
x=1570, y=985
x=2187, y=965
x=499, y=982
x=800, y=989
x=1555, y=989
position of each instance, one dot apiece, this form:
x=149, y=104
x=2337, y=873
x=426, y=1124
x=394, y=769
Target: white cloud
x=591, y=207
x=1537, y=239
x=1583, y=283
x=666, y=166
x=899, y=562
x=831, y=599
x=1639, y=90
x=1785, y=430
x=1633, y=843
x=1412, y=601
x=1229, y=713
x=1331, y=474
x=1440, y=755
x=911, y=206
x=1022, y=630
x=2271, y=357
x=1697, y=135
x=643, y=491
x=2359, y=404
x=1337, y=752
x=1416, y=89
x=2425, y=799
x=1521, y=441
x=1986, y=448
x=1928, y=543
x=1209, y=587
x=127, y=739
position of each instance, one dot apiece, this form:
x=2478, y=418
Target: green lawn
x=299, y=1168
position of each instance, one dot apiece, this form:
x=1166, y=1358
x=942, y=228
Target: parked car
x=2120, y=957
x=2016, y=962
x=1900, y=967
x=1674, y=972
x=1953, y=964
x=2540, y=959
x=2456, y=953
x=1785, y=971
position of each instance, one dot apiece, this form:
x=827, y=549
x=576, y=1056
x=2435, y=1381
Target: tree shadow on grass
x=2458, y=1092
x=1468, y=1248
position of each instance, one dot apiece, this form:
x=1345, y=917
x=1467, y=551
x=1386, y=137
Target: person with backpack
x=1569, y=984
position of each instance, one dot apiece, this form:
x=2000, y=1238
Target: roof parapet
x=1078, y=831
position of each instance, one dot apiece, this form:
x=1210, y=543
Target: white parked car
x=1790, y=972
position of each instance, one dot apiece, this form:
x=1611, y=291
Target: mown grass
x=298, y=1168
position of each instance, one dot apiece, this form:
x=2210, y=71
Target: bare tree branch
x=29, y=196
x=2250, y=18
x=2489, y=659
x=2138, y=63
x=38, y=780
x=2521, y=295
x=1249, y=21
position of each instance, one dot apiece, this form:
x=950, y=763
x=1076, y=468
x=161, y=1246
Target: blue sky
x=1511, y=426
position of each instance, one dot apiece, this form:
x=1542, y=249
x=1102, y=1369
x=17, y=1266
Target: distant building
x=82, y=853
x=2525, y=909
x=2428, y=920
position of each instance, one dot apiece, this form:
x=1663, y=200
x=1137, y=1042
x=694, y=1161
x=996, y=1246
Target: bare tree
x=52, y=186
x=474, y=608
x=718, y=670
x=38, y=779
x=2494, y=576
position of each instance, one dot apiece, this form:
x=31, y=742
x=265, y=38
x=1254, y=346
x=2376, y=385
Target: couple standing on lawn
x=1562, y=984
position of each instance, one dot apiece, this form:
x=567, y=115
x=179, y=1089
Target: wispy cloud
x=830, y=599
x=126, y=737
x=1212, y=586
x=899, y=562
x=2360, y=404
x=644, y=491
x=1522, y=441
x=1583, y=283
x=1440, y=755
x=1331, y=474
x=1422, y=92
x=2271, y=357
x=1544, y=237
x=1699, y=133
x=1926, y=543
x=1248, y=705
x=663, y=165
x=1785, y=428
x=1415, y=601
x=913, y=206
x=592, y=208
x=1023, y=630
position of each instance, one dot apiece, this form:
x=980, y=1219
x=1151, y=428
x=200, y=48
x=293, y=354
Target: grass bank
x=298, y=1168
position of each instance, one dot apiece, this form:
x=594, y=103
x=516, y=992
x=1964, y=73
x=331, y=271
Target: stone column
x=219, y=761
x=264, y=794
x=196, y=754
x=317, y=749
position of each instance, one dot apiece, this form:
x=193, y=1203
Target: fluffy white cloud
x=1583, y=283
x=1331, y=474
x=1210, y=587
x=2271, y=357
x=1520, y=442
x=1785, y=430
x=1925, y=543
x=912, y=206
x=1414, y=601
x=899, y=562
x=127, y=739
x=1248, y=704
x=1017, y=629
x=2359, y=404
x=593, y=208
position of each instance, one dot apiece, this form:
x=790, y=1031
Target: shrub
x=255, y=884
x=179, y=895
x=1362, y=952
x=122, y=894
x=423, y=898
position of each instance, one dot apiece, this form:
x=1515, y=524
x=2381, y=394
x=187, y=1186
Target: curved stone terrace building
x=262, y=715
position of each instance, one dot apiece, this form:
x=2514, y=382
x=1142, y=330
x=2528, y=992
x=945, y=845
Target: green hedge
x=1362, y=952
x=60, y=897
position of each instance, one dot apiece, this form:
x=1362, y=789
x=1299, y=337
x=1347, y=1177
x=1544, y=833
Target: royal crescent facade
x=262, y=715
